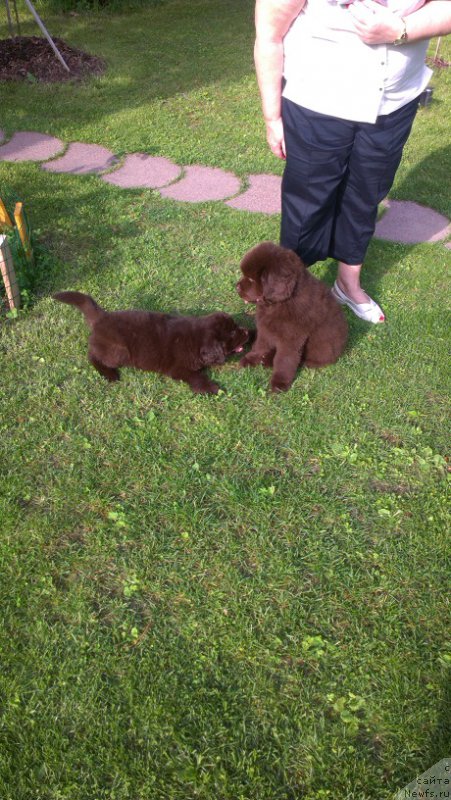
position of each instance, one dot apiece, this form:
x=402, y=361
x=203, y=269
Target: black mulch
x=32, y=58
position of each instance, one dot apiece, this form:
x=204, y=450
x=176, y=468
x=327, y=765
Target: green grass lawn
x=239, y=597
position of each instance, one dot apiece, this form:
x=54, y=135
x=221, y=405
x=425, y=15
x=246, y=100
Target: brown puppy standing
x=179, y=347
x=298, y=319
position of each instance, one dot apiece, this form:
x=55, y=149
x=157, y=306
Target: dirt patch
x=32, y=58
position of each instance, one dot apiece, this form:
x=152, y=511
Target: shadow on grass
x=152, y=54
x=380, y=260
x=427, y=183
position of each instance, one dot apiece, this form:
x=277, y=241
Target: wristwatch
x=402, y=39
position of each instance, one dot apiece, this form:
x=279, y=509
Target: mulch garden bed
x=31, y=58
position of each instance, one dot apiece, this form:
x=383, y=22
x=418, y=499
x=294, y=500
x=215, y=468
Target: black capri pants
x=336, y=174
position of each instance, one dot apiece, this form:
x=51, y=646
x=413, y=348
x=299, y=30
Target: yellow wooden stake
x=9, y=274
x=5, y=219
x=22, y=227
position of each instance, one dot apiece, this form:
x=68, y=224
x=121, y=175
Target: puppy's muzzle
x=247, y=291
x=242, y=336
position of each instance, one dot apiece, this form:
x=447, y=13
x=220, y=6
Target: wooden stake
x=8, y=274
x=46, y=34
x=437, y=48
x=5, y=219
x=22, y=227
x=10, y=22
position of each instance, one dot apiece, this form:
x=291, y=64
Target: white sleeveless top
x=328, y=69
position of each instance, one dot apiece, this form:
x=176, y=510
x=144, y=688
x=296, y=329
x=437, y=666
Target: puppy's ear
x=278, y=286
x=280, y=275
x=212, y=353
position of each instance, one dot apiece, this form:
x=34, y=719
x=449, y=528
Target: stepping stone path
x=29, y=146
x=140, y=171
x=262, y=195
x=82, y=159
x=411, y=223
x=200, y=184
x=403, y=221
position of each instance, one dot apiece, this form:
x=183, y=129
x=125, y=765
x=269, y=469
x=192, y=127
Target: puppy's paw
x=212, y=388
x=279, y=384
x=251, y=359
x=268, y=359
x=206, y=387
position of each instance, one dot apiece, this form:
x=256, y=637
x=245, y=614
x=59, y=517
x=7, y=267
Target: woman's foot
x=360, y=303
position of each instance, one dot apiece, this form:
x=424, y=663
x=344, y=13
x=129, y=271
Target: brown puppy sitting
x=179, y=347
x=298, y=319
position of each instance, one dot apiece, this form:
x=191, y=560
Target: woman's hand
x=374, y=23
x=275, y=137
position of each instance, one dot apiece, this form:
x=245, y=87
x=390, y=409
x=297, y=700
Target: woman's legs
x=336, y=174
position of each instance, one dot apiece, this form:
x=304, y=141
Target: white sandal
x=370, y=312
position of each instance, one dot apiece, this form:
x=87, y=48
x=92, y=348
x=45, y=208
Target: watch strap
x=402, y=38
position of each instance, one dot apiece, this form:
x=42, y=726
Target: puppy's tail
x=84, y=302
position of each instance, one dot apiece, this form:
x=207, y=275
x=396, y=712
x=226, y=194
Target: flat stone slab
x=263, y=195
x=30, y=146
x=200, y=184
x=142, y=171
x=410, y=223
x=82, y=159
